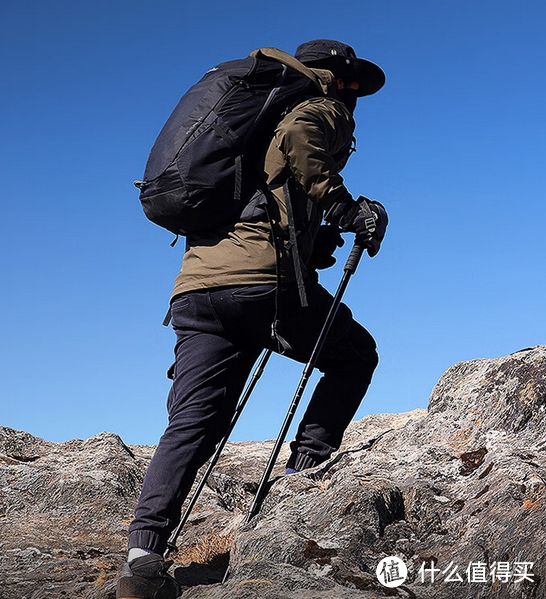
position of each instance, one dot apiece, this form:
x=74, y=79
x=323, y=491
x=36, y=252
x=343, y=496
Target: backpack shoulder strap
x=322, y=78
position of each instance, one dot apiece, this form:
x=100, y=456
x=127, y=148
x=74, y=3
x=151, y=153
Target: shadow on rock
x=199, y=574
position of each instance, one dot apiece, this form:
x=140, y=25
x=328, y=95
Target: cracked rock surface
x=455, y=491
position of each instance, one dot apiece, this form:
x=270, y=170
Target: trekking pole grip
x=354, y=257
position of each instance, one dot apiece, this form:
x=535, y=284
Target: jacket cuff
x=342, y=214
x=340, y=196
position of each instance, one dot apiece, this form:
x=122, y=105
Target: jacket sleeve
x=311, y=138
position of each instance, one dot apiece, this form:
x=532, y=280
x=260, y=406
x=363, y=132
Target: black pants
x=220, y=334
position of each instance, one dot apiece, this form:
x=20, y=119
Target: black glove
x=367, y=218
x=327, y=239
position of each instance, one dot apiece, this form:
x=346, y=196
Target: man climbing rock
x=252, y=285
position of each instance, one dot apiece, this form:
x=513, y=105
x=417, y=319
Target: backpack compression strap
x=322, y=78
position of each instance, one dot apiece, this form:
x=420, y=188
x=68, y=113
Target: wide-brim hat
x=342, y=60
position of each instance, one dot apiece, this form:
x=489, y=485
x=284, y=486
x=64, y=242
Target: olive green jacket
x=309, y=149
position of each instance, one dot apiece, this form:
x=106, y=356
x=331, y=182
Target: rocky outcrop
x=456, y=492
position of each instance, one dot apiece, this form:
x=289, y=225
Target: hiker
x=247, y=286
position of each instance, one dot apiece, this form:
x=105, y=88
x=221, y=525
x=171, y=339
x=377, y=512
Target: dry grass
x=211, y=549
x=322, y=484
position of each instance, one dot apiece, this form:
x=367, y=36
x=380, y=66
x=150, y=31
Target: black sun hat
x=342, y=60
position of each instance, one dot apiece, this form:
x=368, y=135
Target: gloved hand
x=381, y=221
x=327, y=239
x=367, y=218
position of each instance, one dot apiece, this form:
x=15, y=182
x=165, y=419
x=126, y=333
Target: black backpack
x=204, y=166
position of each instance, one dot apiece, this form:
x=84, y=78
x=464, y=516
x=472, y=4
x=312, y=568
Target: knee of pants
x=211, y=414
x=363, y=367
x=354, y=356
x=370, y=359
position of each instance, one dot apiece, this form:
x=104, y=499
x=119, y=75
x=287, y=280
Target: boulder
x=454, y=493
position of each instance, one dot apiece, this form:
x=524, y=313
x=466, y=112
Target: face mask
x=348, y=97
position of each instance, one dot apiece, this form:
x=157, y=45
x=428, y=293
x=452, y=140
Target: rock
x=456, y=492
x=64, y=513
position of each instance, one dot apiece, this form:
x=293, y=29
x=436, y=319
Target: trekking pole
x=258, y=371
x=348, y=270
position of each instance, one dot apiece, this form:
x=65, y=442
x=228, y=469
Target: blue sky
x=453, y=145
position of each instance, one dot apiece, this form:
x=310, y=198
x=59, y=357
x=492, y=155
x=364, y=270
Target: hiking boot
x=146, y=578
